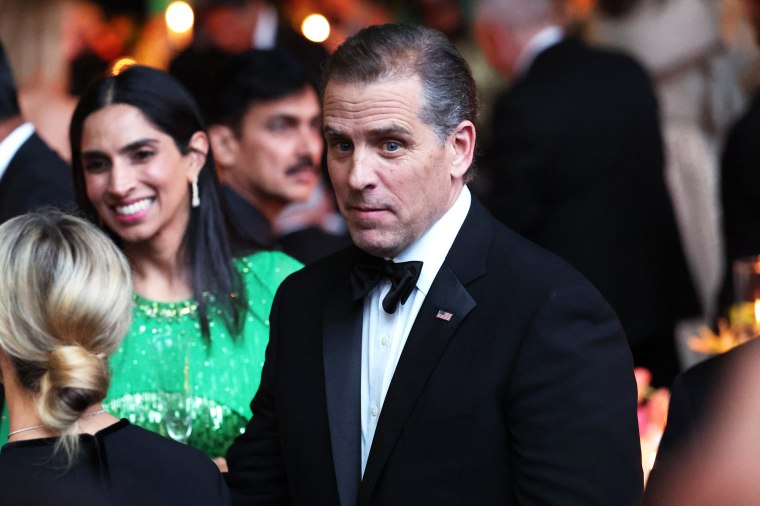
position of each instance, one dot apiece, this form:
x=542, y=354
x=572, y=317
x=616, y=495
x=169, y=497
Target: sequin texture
x=166, y=378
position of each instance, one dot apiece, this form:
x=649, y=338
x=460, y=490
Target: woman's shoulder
x=163, y=467
x=267, y=266
x=161, y=450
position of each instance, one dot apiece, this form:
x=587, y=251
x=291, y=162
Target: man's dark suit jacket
x=36, y=177
x=526, y=396
x=577, y=167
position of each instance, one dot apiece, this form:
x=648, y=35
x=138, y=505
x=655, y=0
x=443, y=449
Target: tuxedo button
x=374, y=411
x=384, y=340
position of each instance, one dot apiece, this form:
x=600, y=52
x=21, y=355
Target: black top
x=120, y=465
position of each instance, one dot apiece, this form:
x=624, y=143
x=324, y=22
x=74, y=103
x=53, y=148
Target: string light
x=316, y=28
x=179, y=17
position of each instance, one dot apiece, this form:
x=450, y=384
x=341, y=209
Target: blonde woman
x=65, y=303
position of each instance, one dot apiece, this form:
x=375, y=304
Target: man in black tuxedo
x=577, y=166
x=443, y=359
x=31, y=174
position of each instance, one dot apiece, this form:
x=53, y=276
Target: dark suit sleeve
x=256, y=468
x=572, y=407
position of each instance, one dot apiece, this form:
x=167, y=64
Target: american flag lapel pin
x=444, y=315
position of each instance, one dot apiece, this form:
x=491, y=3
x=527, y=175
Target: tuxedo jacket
x=525, y=396
x=577, y=167
x=36, y=177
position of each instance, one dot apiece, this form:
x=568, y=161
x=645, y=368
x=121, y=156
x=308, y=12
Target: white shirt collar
x=434, y=244
x=11, y=144
x=540, y=42
x=265, y=33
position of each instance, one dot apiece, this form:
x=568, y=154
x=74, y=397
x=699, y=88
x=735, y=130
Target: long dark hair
x=205, y=245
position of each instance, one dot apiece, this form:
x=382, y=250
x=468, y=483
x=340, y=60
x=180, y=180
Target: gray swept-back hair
x=449, y=94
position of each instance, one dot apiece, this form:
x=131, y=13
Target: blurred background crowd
x=638, y=170
x=700, y=56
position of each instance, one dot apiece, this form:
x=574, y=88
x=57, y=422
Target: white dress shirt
x=11, y=144
x=383, y=334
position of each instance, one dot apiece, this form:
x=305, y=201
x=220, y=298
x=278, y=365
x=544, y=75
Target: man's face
x=393, y=179
x=275, y=159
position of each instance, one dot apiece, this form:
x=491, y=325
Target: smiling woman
x=192, y=358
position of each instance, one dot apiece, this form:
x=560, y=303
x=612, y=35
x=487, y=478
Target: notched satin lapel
x=342, y=348
x=423, y=349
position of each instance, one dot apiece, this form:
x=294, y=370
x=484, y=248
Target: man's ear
x=462, y=144
x=224, y=144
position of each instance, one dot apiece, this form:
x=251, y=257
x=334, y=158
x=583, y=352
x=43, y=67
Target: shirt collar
x=434, y=244
x=11, y=144
x=541, y=41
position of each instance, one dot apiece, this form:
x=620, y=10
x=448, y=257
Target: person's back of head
x=35, y=40
x=504, y=29
x=519, y=14
x=255, y=76
x=65, y=304
x=9, y=107
x=397, y=51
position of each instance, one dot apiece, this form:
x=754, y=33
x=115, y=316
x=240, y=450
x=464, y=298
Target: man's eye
x=392, y=146
x=279, y=125
x=343, y=147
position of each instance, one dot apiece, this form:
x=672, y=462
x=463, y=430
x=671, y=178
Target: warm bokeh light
x=179, y=17
x=316, y=28
x=121, y=65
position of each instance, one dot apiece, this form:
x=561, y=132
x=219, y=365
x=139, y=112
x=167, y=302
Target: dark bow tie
x=367, y=271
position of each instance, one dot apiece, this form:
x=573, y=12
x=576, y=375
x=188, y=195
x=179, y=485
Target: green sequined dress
x=167, y=379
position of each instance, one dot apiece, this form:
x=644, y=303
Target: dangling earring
x=196, y=201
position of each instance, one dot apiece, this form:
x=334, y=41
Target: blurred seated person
x=64, y=306
x=266, y=135
x=31, y=174
x=709, y=450
x=229, y=27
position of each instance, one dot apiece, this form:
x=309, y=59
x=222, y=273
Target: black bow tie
x=367, y=271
